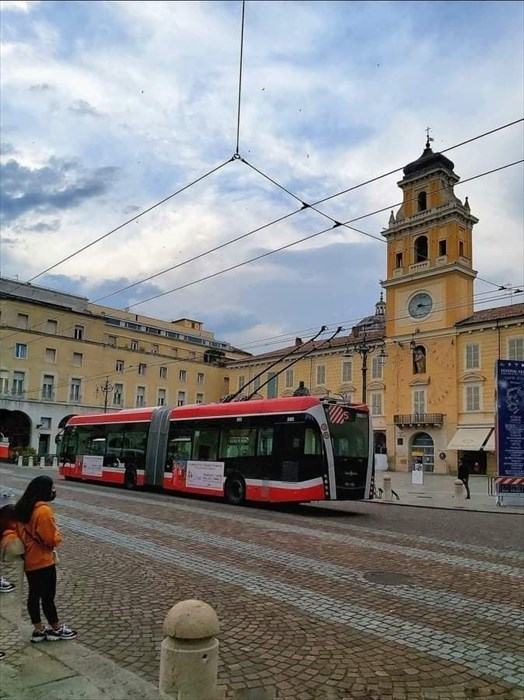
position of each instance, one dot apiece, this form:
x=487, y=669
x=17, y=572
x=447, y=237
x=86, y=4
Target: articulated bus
x=274, y=450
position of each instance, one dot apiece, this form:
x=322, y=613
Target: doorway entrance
x=423, y=452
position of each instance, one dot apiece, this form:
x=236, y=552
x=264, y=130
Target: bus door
x=288, y=450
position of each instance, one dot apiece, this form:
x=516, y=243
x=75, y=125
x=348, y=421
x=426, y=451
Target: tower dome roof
x=428, y=161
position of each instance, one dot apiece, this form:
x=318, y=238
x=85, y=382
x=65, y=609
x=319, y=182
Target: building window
x=22, y=321
x=140, y=396
x=48, y=387
x=289, y=379
x=422, y=201
x=398, y=260
x=182, y=375
x=50, y=355
x=111, y=341
x=256, y=384
x=181, y=399
x=134, y=345
x=18, y=383
x=516, y=348
x=77, y=359
x=4, y=381
x=199, y=398
x=154, y=349
x=473, y=356
x=161, y=400
x=119, y=367
x=421, y=249
x=75, y=389
x=473, y=397
x=347, y=371
x=118, y=394
x=79, y=332
x=442, y=248
x=321, y=375
x=21, y=351
x=241, y=381
x=376, y=403
x=162, y=372
x=200, y=378
x=45, y=423
x=376, y=369
x=142, y=368
x=52, y=326
x=419, y=401
x=461, y=249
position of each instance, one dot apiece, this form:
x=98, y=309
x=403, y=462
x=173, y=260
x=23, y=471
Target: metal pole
x=364, y=373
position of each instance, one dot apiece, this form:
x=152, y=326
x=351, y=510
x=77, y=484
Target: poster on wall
x=92, y=465
x=510, y=417
x=205, y=475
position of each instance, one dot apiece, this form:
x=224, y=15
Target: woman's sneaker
x=5, y=586
x=63, y=632
x=39, y=636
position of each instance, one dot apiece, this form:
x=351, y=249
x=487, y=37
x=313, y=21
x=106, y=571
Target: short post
x=30, y=461
x=387, y=487
x=42, y=462
x=20, y=461
x=459, y=488
x=55, y=462
x=189, y=652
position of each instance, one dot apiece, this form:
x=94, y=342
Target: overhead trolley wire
x=301, y=240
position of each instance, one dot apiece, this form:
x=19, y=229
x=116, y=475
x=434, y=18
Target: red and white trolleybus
x=275, y=450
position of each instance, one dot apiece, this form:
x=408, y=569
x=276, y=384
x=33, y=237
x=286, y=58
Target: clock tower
x=429, y=288
x=430, y=275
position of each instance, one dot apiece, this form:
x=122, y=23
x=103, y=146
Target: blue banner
x=510, y=417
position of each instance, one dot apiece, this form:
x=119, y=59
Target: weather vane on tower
x=429, y=138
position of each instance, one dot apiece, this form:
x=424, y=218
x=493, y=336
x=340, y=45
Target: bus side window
x=265, y=442
x=312, y=442
x=206, y=445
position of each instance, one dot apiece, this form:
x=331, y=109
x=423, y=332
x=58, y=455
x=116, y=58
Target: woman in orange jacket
x=36, y=527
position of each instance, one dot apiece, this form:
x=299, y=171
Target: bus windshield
x=349, y=437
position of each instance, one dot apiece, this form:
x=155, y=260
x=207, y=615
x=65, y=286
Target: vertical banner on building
x=510, y=417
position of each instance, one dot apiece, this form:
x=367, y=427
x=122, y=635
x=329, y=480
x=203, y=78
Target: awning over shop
x=469, y=439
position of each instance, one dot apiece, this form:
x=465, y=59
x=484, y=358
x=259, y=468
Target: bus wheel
x=235, y=490
x=129, y=480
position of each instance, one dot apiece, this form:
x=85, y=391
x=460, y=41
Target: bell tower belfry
x=430, y=273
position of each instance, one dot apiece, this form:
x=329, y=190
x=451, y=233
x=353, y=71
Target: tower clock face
x=420, y=305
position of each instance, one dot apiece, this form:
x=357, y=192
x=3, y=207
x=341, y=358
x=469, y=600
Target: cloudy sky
x=110, y=107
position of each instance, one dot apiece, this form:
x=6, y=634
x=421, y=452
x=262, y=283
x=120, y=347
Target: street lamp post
x=363, y=348
x=106, y=388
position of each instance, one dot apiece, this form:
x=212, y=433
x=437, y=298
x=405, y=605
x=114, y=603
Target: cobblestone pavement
x=370, y=602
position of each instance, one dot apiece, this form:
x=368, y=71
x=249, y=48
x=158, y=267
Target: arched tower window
x=422, y=201
x=421, y=249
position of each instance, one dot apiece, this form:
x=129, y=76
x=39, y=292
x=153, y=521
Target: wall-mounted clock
x=420, y=305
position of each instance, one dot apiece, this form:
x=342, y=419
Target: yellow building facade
x=61, y=356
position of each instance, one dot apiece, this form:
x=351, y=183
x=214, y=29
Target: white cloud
x=334, y=93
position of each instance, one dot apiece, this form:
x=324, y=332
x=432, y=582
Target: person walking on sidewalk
x=36, y=527
x=463, y=475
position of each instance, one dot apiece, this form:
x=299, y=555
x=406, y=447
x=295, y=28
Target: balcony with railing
x=419, y=419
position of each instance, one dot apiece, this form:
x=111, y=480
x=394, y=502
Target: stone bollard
x=55, y=462
x=459, y=488
x=387, y=488
x=30, y=461
x=189, y=652
x=20, y=461
x=42, y=462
